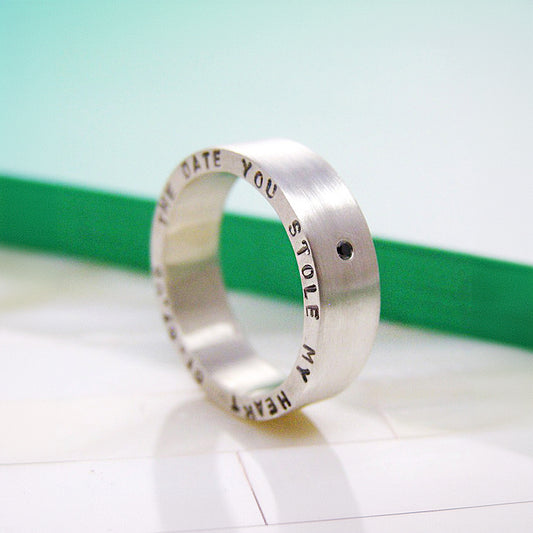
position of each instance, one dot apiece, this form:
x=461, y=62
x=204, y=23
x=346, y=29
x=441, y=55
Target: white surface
x=424, y=108
x=385, y=477
x=128, y=495
x=515, y=517
x=104, y=430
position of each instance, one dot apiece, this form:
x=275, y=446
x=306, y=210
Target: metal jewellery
x=335, y=257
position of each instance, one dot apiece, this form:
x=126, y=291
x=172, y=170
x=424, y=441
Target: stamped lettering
x=247, y=165
x=308, y=271
x=261, y=408
x=308, y=357
x=312, y=311
x=258, y=179
x=308, y=289
x=271, y=188
x=249, y=412
x=163, y=206
x=272, y=409
x=201, y=162
x=195, y=165
x=304, y=372
x=234, y=407
x=283, y=400
x=304, y=249
x=294, y=228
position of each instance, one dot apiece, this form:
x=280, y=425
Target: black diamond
x=344, y=250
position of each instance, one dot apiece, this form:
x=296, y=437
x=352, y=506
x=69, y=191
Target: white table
x=104, y=430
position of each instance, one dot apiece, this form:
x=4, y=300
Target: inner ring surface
x=209, y=331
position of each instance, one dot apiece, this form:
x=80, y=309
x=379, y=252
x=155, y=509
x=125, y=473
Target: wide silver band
x=335, y=256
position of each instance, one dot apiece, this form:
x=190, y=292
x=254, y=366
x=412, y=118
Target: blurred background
x=424, y=108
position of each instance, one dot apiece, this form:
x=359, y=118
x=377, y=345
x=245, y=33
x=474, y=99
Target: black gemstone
x=344, y=250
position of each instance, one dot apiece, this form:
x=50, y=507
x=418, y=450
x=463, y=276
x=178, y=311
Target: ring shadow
x=199, y=427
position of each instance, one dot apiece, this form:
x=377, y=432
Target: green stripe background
x=422, y=286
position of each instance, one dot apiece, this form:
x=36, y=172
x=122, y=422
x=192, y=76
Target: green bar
x=91, y=224
x=456, y=292
x=422, y=286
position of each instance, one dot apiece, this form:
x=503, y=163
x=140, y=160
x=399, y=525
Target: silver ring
x=335, y=256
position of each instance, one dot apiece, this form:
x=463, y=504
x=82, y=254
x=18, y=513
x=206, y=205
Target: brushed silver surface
x=335, y=256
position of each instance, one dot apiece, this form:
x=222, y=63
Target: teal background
x=424, y=108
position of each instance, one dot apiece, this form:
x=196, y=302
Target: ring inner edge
x=209, y=331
